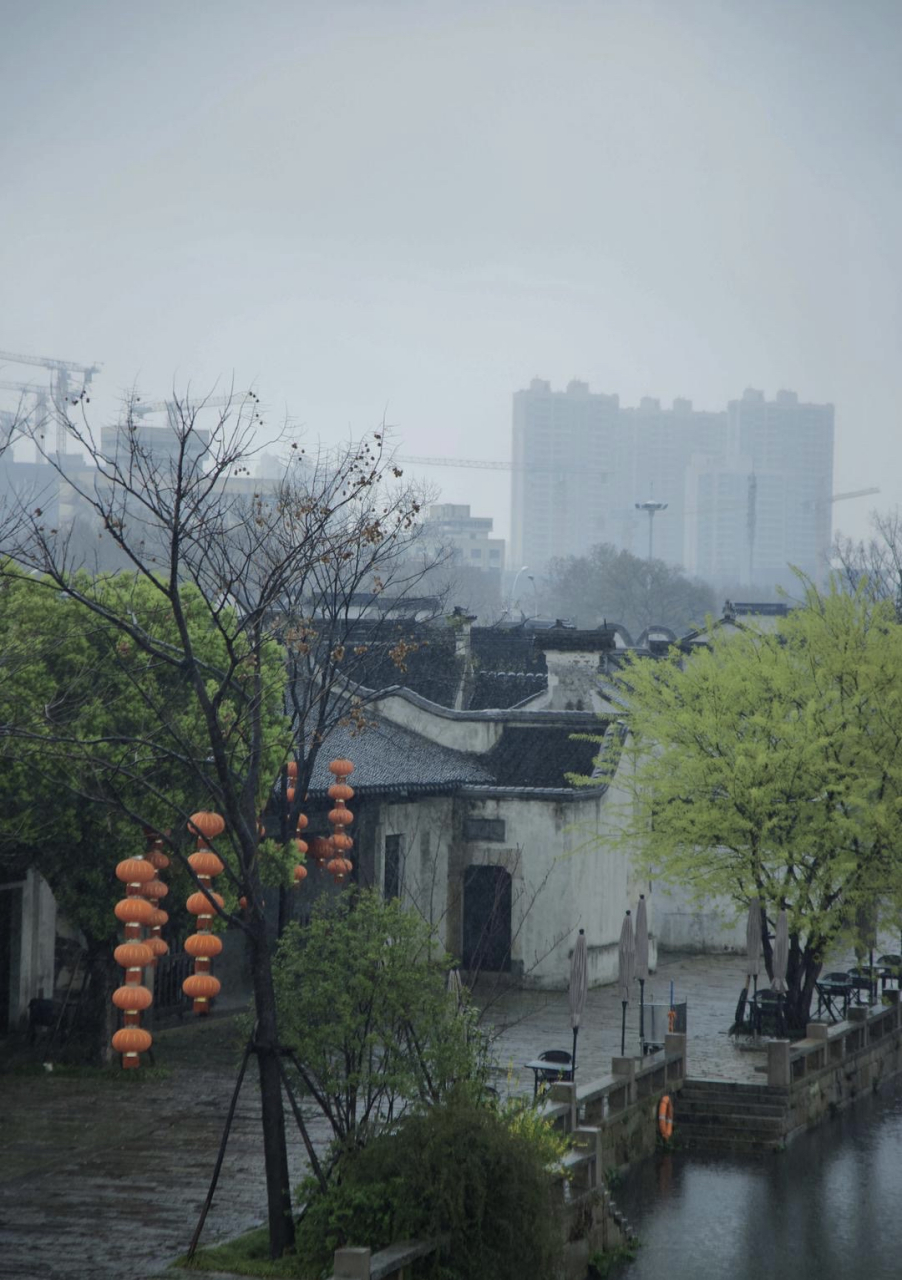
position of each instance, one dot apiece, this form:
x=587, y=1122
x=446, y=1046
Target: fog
x=411, y=209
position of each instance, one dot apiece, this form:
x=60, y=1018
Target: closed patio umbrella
x=579, y=988
x=626, y=958
x=752, y=954
x=781, y=960
x=641, y=963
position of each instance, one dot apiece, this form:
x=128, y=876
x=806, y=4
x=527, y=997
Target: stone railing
x=790, y=1064
x=396, y=1260
x=632, y=1080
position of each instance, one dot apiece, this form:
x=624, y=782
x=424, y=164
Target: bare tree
x=876, y=561
x=272, y=569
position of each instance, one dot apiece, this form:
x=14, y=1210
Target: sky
x=407, y=210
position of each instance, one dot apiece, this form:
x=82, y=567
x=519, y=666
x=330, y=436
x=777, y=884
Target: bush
x=364, y=1007
x=455, y=1169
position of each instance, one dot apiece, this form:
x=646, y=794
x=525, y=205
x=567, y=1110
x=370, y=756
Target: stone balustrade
x=790, y=1064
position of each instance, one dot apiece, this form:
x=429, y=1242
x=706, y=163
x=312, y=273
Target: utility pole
x=651, y=508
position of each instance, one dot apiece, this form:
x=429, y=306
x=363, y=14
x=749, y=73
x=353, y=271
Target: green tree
x=770, y=766
x=364, y=1008
x=97, y=732
x=617, y=586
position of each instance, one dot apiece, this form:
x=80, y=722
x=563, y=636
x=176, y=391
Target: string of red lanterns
x=340, y=843
x=300, y=871
x=203, y=944
x=133, y=911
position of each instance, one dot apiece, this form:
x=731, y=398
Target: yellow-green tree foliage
x=770, y=765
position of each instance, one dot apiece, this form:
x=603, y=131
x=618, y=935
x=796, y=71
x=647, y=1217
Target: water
x=828, y=1208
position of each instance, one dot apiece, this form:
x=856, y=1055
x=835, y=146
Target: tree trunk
x=95, y=1023
x=275, y=1151
x=802, y=972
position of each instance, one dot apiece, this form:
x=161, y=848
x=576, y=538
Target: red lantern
x=300, y=873
x=206, y=825
x=201, y=988
x=133, y=956
x=203, y=945
x=132, y=998
x=135, y=871
x=154, y=890
x=320, y=849
x=133, y=911
x=340, y=868
x=205, y=863
x=158, y=947
x=302, y=822
x=292, y=769
x=131, y=1042
x=342, y=842
x=341, y=768
x=340, y=816
x=340, y=791
x=199, y=904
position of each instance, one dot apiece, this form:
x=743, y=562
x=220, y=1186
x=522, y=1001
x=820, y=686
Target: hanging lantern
x=131, y=1042
x=340, y=866
x=206, y=826
x=340, y=869
x=320, y=849
x=134, y=911
x=158, y=945
x=302, y=822
x=300, y=873
x=155, y=853
x=203, y=945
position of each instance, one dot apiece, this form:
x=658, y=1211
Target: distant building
x=449, y=526
x=747, y=490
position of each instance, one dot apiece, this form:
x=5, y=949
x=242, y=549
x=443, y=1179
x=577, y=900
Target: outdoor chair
x=768, y=1014
x=889, y=969
x=860, y=977
x=833, y=992
x=560, y=1067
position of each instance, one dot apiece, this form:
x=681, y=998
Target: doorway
x=487, y=919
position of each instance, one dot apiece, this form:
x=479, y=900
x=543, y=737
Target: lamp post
x=523, y=569
x=651, y=508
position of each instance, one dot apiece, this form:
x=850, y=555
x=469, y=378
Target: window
x=392, y=876
x=484, y=829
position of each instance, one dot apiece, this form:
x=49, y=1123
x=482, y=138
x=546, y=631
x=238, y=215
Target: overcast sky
x=413, y=208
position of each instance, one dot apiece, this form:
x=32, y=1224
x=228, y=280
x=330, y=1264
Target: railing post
x=778, y=1072
x=352, y=1264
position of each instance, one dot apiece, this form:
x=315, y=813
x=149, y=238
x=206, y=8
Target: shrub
x=457, y=1170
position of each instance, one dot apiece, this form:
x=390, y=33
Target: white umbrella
x=781, y=960
x=641, y=963
x=579, y=987
x=626, y=958
x=752, y=955
x=781, y=954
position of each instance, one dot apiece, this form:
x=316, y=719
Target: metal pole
x=248, y=1050
x=623, y=1031
x=642, y=1016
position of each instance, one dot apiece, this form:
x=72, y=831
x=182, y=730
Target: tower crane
x=141, y=409
x=59, y=389
x=490, y=464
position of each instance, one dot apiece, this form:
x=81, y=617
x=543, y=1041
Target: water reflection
x=828, y=1208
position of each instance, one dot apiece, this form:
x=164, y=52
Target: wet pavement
x=106, y=1179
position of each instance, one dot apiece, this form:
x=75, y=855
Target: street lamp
x=523, y=569
x=651, y=508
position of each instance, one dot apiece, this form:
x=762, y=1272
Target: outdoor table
x=545, y=1071
x=831, y=988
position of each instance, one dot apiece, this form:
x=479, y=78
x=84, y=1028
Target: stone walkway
x=104, y=1180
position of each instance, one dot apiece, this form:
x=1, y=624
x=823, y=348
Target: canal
x=828, y=1208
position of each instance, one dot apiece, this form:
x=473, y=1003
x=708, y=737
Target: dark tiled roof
x=601, y=639
x=389, y=759
x=541, y=756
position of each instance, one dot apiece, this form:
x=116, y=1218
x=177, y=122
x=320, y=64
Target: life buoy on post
x=665, y=1117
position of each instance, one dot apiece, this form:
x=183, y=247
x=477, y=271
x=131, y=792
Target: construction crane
x=490, y=464
x=141, y=409
x=59, y=389
x=839, y=497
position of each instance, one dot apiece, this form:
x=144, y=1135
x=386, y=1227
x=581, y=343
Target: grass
x=248, y=1255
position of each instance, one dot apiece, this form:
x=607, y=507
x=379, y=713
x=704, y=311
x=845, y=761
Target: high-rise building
x=449, y=527
x=743, y=494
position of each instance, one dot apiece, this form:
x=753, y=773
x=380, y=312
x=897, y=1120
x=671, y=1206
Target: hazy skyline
x=415, y=208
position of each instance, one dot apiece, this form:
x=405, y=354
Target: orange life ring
x=665, y=1117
